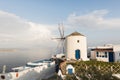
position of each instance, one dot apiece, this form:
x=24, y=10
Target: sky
x=32, y=23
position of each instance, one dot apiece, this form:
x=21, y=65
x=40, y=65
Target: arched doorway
x=77, y=54
x=70, y=71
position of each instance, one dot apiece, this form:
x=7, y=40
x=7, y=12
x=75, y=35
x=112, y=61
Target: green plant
x=95, y=70
x=71, y=77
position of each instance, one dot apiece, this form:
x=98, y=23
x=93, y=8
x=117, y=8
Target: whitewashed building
x=70, y=69
x=76, y=46
x=107, y=53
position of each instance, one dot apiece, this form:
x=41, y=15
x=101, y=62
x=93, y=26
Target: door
x=77, y=54
x=70, y=71
x=111, y=56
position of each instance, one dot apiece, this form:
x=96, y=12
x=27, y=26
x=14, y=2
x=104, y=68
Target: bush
x=92, y=72
x=71, y=77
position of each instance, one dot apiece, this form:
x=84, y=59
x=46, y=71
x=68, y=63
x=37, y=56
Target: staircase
x=63, y=67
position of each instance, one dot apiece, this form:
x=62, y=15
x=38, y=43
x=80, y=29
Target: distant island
x=7, y=50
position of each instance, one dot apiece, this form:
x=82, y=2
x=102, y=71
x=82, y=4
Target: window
x=103, y=56
x=97, y=54
x=78, y=41
x=106, y=54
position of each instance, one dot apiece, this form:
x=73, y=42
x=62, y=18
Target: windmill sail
x=61, y=39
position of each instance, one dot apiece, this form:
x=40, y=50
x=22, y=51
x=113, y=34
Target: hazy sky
x=32, y=23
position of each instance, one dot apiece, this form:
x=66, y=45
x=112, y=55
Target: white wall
x=117, y=56
x=72, y=45
x=102, y=59
x=105, y=59
x=92, y=55
x=116, y=48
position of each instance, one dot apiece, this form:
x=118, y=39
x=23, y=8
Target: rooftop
x=76, y=34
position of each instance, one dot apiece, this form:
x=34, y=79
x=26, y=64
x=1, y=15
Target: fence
x=102, y=66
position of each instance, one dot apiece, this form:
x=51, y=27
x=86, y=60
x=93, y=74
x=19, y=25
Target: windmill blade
x=59, y=46
x=60, y=39
x=56, y=38
x=63, y=45
x=60, y=31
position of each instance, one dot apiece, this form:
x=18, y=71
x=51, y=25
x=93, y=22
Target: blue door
x=70, y=71
x=77, y=54
x=111, y=57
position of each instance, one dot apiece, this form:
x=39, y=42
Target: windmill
x=61, y=39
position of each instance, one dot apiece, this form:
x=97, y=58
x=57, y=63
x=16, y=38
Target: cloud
x=18, y=32
x=98, y=26
x=32, y=40
x=95, y=19
x=10, y=23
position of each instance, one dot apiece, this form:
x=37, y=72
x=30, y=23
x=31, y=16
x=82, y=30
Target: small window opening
x=97, y=54
x=106, y=54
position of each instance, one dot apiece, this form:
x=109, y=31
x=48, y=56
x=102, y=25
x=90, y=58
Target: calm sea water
x=20, y=57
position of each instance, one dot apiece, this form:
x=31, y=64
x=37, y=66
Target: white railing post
x=98, y=67
x=4, y=69
x=111, y=68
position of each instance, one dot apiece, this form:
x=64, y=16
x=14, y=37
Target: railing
x=114, y=68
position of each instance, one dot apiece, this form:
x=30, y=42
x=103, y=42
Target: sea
x=19, y=57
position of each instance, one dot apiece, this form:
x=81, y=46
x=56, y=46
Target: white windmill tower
x=76, y=46
x=61, y=40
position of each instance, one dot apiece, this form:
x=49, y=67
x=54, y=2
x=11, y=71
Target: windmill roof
x=76, y=34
